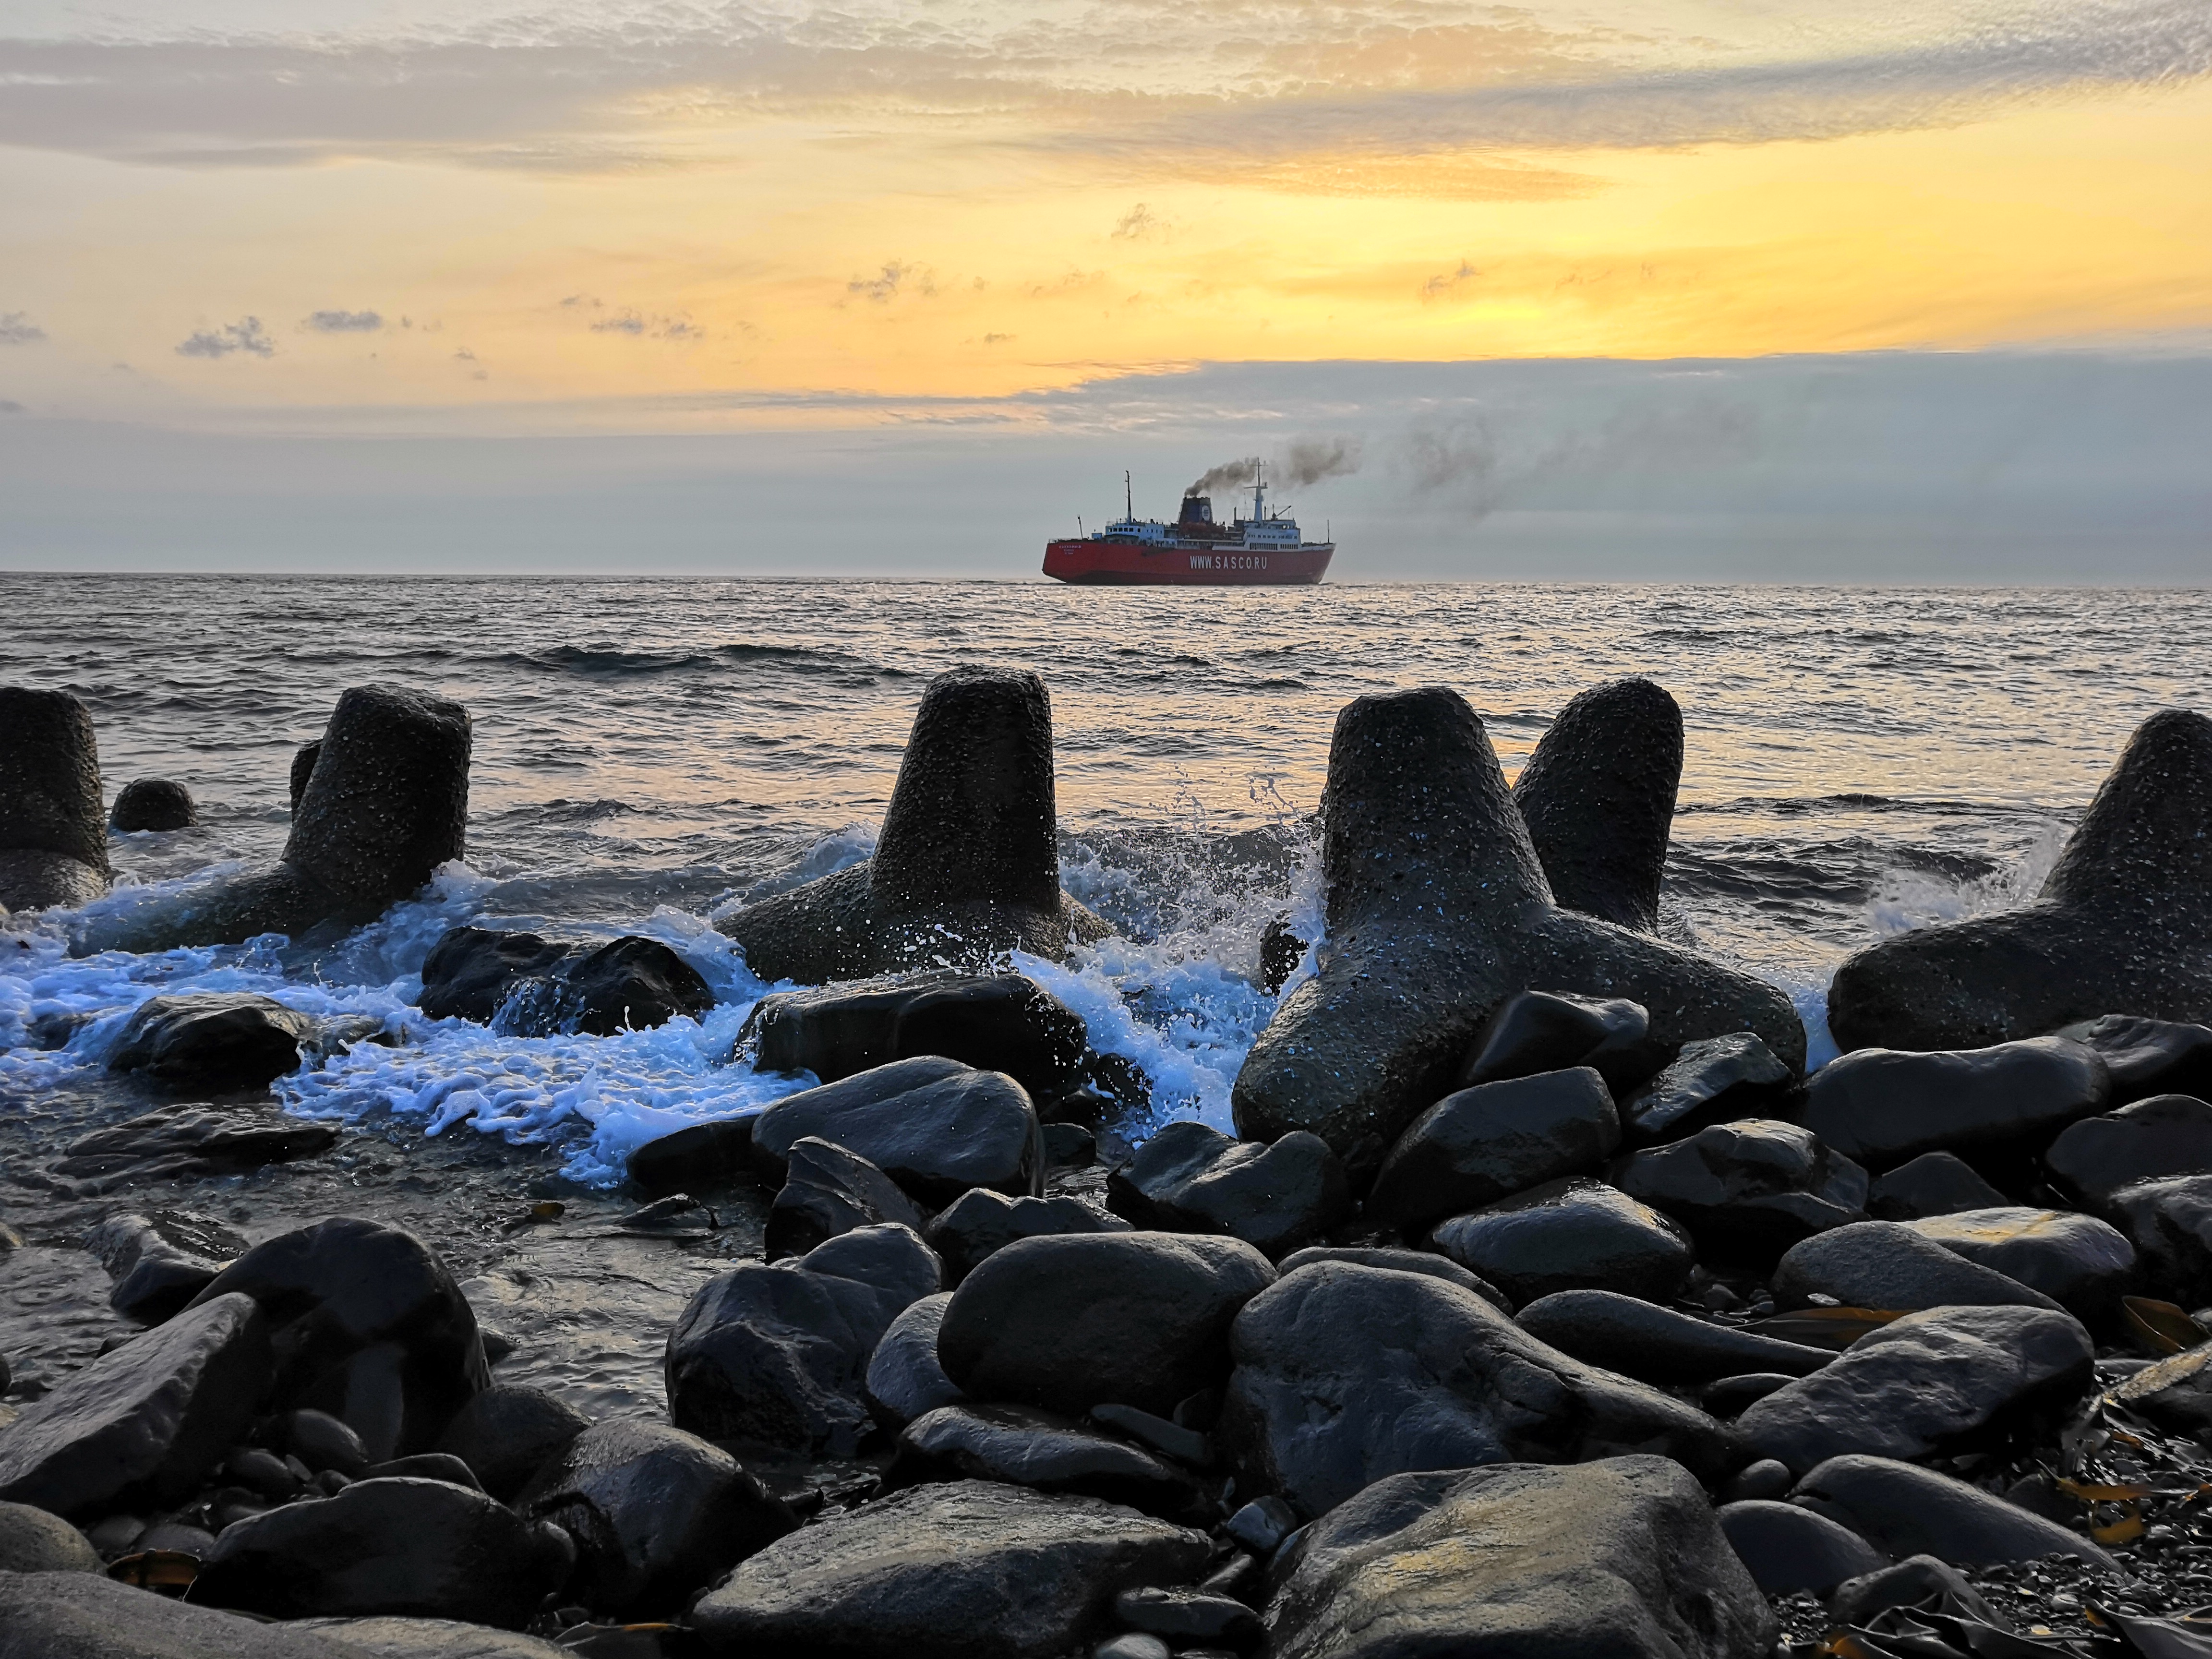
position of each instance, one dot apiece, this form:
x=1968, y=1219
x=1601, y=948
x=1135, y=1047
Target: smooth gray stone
x=1904, y=1509
x=1754, y=1187
x=2081, y=1263
x=1885, y=1264
x=904, y=1379
x=1621, y=1557
x=84, y=1615
x=1907, y=1584
x=160, y=1262
x=154, y=804
x=2149, y=1057
x=151, y=1417
x=981, y=1223
x=430, y=1639
x=1882, y=1106
x=1934, y=1183
x=1567, y=1236
x=2175, y=1393
x=1437, y=912
x=1924, y=1384
x=936, y=1132
x=1640, y=1339
x=34, y=1540
x=186, y=1142
x=506, y=1435
x=1189, y=1177
x=2169, y=1221
x=1715, y=1079
x=1188, y=1617
x=1043, y=1450
x=1346, y=1374
x=2119, y=926
x=967, y=865
x=1405, y=1262
x=1540, y=1032
x=53, y=833
x=2147, y=1140
x=213, y=1040
x=1787, y=1548
x=1479, y=1144
x=972, y=1570
x=827, y=1190
x=1598, y=796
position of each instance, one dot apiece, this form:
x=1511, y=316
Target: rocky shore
x=1542, y=1302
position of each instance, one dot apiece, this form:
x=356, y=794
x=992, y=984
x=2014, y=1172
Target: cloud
x=895, y=277
x=10, y=406
x=639, y=327
x=1139, y=221
x=342, y=322
x=16, y=328
x=628, y=323
x=245, y=335
x=1447, y=282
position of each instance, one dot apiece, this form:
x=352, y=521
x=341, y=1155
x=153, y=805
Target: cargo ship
x=1261, y=551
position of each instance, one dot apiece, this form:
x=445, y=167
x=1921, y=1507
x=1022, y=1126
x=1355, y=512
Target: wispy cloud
x=16, y=328
x=245, y=335
x=640, y=326
x=895, y=277
x=342, y=322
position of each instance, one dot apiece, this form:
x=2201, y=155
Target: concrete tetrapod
x=53, y=830
x=1438, y=911
x=968, y=863
x=2119, y=926
x=1598, y=796
x=387, y=804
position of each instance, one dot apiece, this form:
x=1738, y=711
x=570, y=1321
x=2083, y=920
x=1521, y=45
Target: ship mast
x=1129, y=499
x=1259, y=491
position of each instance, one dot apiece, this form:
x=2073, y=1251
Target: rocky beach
x=1458, y=1205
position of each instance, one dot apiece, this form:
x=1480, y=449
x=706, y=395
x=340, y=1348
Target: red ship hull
x=1140, y=564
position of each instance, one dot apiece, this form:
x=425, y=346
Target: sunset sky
x=251, y=245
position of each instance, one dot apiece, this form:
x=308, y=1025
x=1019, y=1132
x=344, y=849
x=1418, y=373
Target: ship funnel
x=1196, y=509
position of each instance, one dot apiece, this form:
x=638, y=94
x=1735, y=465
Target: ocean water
x=649, y=754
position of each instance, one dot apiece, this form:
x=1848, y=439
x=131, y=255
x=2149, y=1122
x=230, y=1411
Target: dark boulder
x=1540, y=1031
x=1569, y=1235
x=967, y=865
x=1929, y=1383
x=828, y=1191
x=933, y=1126
x=387, y=804
x=2120, y=922
x=470, y=970
x=1752, y=1188
x=1491, y=1141
x=521, y=985
x=2175, y=1393
x=2078, y=1261
x=84, y=1615
x=1621, y=1557
x=1934, y=1183
x=443, y=1638
x=34, y=1540
x=368, y=1326
x=321, y=1442
x=1023, y=1446
x=1598, y=796
x=993, y=1023
x=183, y=1143
x=979, y=1223
x=1787, y=1548
x=656, y=1514
x=973, y=1569
x=904, y=1378
x=54, y=836
x=1904, y=1509
x=1882, y=1106
x=160, y=1262
x=1438, y=913
x=1404, y=1261
x=1885, y=1264
x=775, y=1354
x=302, y=768
x=1726, y=1397
x=1077, y=1320
x=2147, y=1140
x=1191, y=1178
x=695, y=1159
x=2170, y=1224
x=213, y=1041
x=423, y=1465
x=1193, y=1618
x=1909, y=1583
x=146, y=1420
x=507, y=1434
x=157, y=803
x=1652, y=1343
x=2149, y=1057
x=1345, y=1375
x=1713, y=1080
x=421, y=1549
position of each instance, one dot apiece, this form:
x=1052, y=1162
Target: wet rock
x=1404, y=1261
x=1750, y=1188
x=935, y=1128
x=904, y=1378
x=1621, y=1557
x=703, y=1155
x=2175, y=1393
x=386, y=804
x=158, y=803
x=53, y=841
x=1903, y=1509
x=1345, y=1374
x=1568, y=1236
x=1881, y=1106
x=1132, y=1645
x=1927, y=1383
x=1641, y=1340
x=1023, y=1446
x=1187, y=1446
x=267, y=1476
x=993, y=1023
x=2149, y=1140
x=1713, y=1080
x=1598, y=796
x=33, y=1540
x=1438, y=911
x=321, y=1442
x=1069, y=1145
x=1934, y=1183
x=505, y=1435
x=1488, y=1142
x=967, y=865
x=2078, y=1261
x=470, y=970
x=2149, y=1057
x=973, y=1569
x=1076, y=1320
x=2170, y=1224
x=182, y=1143
x=2118, y=925
x=1885, y=1264
x=160, y=1262
x=522, y=985
x=656, y=1513
x=828, y=1191
x=368, y=1326
x=1538, y=1031
x=425, y=1466
x=1907, y=1584
x=982, y=1222
x=442, y=1638
x=775, y=1354
x=1787, y=1548
x=83, y=1615
x=1761, y=1480
x=1191, y=1178
x=1189, y=1617
x=412, y=1548
x=212, y=1041
x=1726, y=1397
x=150, y=1418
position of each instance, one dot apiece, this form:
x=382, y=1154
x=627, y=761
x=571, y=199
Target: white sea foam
x=1907, y=899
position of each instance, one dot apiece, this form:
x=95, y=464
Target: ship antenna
x=1129, y=500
